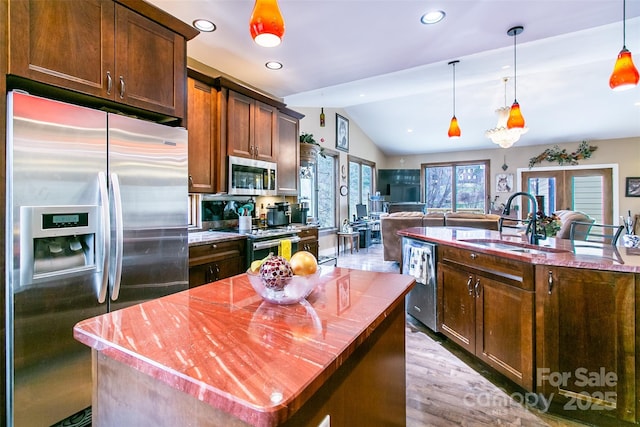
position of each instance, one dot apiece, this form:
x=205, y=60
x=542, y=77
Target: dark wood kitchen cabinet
x=309, y=240
x=215, y=261
x=110, y=50
x=252, y=128
x=288, y=152
x=486, y=305
x=587, y=343
x=204, y=146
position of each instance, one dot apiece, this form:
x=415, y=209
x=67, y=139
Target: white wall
x=623, y=152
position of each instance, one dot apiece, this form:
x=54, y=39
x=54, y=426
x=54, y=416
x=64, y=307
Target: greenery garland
x=555, y=154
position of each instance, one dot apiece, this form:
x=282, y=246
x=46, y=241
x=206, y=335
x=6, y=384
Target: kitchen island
x=218, y=355
x=558, y=319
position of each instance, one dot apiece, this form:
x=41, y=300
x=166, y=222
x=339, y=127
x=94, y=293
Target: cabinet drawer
x=217, y=251
x=211, y=272
x=308, y=233
x=516, y=273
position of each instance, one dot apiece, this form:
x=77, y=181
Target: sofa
x=390, y=223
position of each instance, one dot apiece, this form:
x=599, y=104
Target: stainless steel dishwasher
x=419, y=259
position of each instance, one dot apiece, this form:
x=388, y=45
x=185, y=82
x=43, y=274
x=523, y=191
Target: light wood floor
x=446, y=386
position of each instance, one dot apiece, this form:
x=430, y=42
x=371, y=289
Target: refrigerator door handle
x=115, y=274
x=106, y=236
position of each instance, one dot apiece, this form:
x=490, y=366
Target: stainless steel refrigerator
x=96, y=220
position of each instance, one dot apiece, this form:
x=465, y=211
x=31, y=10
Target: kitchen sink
x=517, y=247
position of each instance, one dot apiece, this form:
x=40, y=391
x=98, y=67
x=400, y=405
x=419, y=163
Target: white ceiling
x=390, y=73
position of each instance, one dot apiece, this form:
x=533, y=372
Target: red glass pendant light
x=454, y=129
x=625, y=74
x=515, y=115
x=266, y=24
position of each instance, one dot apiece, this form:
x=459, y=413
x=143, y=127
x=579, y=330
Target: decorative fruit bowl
x=284, y=290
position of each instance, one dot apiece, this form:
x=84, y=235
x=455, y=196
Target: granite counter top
x=197, y=238
x=256, y=361
x=551, y=251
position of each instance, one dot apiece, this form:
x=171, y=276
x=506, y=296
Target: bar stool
x=353, y=237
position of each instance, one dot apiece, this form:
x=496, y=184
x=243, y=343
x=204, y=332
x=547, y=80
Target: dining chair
x=596, y=233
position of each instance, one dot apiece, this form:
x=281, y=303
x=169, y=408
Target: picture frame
x=633, y=187
x=343, y=297
x=504, y=182
x=342, y=133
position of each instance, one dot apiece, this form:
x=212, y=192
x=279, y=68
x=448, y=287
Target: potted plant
x=309, y=148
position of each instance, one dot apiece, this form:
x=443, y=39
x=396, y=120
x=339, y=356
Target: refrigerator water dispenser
x=56, y=241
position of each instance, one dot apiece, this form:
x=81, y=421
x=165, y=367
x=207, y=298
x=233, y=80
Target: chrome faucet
x=532, y=226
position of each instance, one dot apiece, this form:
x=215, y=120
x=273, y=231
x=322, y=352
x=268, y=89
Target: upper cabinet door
x=240, y=111
x=202, y=116
x=100, y=48
x=64, y=43
x=266, y=132
x=150, y=64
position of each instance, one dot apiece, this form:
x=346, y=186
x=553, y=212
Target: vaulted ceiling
x=390, y=73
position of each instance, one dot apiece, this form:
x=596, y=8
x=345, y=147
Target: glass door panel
x=586, y=190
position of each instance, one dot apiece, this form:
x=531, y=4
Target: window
x=318, y=185
x=361, y=183
x=458, y=186
x=327, y=184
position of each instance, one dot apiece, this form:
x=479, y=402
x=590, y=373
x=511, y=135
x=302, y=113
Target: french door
x=586, y=190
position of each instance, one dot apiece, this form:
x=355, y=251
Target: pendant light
x=501, y=135
x=266, y=24
x=625, y=74
x=515, y=116
x=454, y=129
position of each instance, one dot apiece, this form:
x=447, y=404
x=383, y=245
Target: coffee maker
x=279, y=215
x=300, y=212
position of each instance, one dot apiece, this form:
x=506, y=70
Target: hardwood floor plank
x=446, y=386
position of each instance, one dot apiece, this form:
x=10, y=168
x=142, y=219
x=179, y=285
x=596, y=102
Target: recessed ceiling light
x=204, y=25
x=432, y=17
x=273, y=65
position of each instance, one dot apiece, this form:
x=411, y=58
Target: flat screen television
x=404, y=193
x=399, y=185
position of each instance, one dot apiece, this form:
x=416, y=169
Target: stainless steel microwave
x=252, y=177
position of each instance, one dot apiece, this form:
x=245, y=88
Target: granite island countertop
x=551, y=251
x=259, y=362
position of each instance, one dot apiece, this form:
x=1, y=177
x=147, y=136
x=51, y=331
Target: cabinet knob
x=474, y=256
x=214, y=246
x=190, y=181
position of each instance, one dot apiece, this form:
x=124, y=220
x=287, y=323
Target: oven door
x=260, y=249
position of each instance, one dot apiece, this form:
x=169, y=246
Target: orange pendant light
x=454, y=129
x=266, y=25
x=515, y=115
x=625, y=74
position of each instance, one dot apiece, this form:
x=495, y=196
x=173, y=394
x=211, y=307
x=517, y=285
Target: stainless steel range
x=260, y=242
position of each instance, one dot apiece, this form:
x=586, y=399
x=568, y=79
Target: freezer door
x=55, y=153
x=148, y=185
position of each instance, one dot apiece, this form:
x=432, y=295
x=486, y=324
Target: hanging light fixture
x=501, y=134
x=454, y=129
x=515, y=116
x=266, y=24
x=625, y=74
